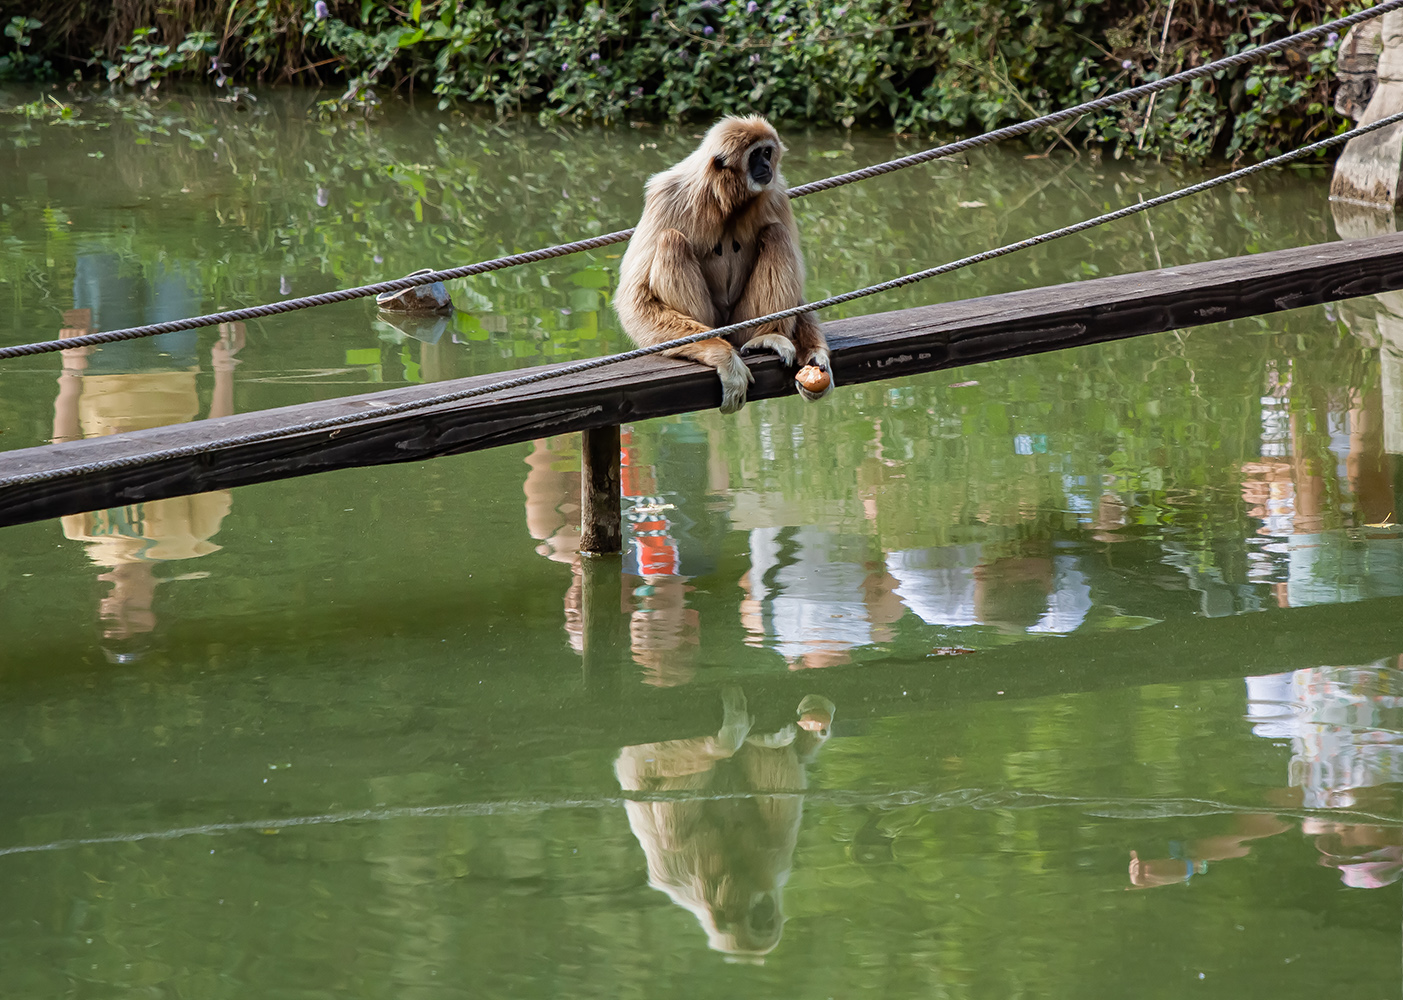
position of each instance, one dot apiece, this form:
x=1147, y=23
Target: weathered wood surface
x=868, y=348
x=601, y=514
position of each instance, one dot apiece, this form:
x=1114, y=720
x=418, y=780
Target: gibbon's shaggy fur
x=717, y=244
x=725, y=857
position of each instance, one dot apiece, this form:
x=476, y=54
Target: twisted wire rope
x=333, y=423
x=565, y=249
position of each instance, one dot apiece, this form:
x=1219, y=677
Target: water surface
x=1110, y=637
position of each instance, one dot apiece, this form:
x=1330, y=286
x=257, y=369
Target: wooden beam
x=867, y=348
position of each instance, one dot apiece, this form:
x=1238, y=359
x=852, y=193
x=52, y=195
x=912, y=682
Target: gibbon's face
x=745, y=154
x=759, y=166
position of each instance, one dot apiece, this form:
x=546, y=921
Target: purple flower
x=1331, y=39
x=378, y=259
x=840, y=11
x=594, y=57
x=657, y=16
x=1127, y=64
x=564, y=67
x=755, y=60
x=708, y=30
x=323, y=196
x=780, y=18
x=752, y=7
x=320, y=9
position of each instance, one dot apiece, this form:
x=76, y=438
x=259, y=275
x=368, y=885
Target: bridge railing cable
x=345, y=420
x=565, y=249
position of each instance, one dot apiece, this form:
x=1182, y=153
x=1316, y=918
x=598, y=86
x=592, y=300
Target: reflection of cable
x=378, y=412
x=562, y=250
x=967, y=798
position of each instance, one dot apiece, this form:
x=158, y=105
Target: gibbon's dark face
x=760, y=169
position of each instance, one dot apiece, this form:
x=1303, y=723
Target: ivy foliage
x=920, y=66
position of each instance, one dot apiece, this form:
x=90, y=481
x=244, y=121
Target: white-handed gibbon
x=724, y=854
x=717, y=244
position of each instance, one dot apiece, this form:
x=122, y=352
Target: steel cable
x=565, y=249
x=333, y=423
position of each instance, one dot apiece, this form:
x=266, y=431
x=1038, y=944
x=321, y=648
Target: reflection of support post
x=1385, y=330
x=601, y=522
x=601, y=620
x=1391, y=374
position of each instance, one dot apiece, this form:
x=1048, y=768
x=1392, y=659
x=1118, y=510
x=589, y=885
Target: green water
x=346, y=735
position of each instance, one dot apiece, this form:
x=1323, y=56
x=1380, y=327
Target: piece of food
x=812, y=378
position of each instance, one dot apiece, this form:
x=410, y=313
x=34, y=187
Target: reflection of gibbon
x=717, y=244
x=726, y=858
x=130, y=540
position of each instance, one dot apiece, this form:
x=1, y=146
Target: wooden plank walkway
x=868, y=348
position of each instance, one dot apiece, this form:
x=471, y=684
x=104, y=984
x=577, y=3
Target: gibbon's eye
x=766, y=152
x=719, y=162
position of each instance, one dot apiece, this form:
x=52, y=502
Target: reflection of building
x=1321, y=490
x=552, y=491
x=1345, y=725
x=134, y=385
x=813, y=595
x=671, y=535
x=975, y=584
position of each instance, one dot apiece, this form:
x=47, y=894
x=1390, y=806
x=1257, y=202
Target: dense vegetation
x=918, y=66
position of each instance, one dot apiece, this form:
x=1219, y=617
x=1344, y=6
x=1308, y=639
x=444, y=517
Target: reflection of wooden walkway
x=868, y=348
x=556, y=714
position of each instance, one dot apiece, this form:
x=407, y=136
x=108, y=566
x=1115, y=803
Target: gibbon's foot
x=735, y=376
x=816, y=714
x=819, y=359
x=773, y=343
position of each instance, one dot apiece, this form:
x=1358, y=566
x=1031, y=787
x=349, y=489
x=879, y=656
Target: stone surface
x=423, y=300
x=1357, y=68
x=1368, y=169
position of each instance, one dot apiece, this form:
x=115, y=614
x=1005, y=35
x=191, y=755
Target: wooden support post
x=601, y=520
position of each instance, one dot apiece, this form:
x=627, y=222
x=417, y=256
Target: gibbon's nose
x=760, y=171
